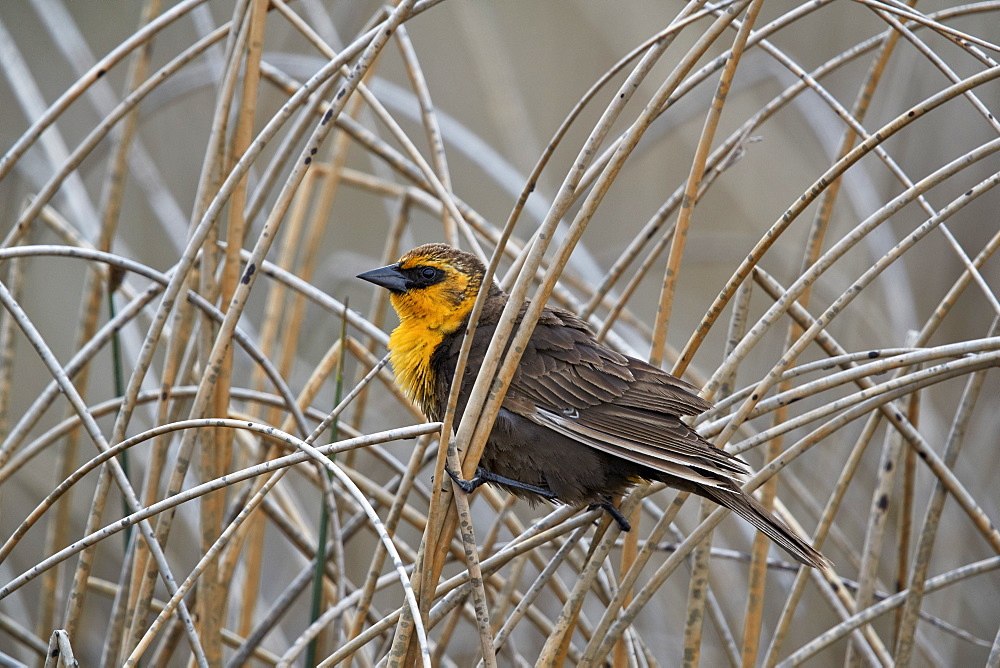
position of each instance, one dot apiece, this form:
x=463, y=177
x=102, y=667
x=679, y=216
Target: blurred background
x=502, y=77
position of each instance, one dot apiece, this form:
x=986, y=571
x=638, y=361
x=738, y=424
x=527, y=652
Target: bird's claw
x=467, y=486
x=623, y=523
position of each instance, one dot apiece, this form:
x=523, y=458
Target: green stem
x=324, y=517
x=116, y=366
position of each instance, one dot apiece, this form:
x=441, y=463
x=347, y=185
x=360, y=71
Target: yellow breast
x=411, y=346
x=426, y=317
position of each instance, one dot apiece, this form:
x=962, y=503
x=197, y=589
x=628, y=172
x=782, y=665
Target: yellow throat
x=426, y=317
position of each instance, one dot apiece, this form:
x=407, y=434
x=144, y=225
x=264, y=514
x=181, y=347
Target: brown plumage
x=580, y=423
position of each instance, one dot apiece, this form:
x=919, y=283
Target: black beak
x=388, y=277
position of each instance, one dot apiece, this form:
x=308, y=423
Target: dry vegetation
x=204, y=458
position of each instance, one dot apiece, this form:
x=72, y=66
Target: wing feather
x=706, y=459
x=570, y=383
x=665, y=432
x=655, y=458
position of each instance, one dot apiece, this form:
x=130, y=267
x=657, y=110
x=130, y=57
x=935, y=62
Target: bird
x=580, y=423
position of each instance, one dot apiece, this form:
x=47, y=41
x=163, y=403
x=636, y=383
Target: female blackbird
x=580, y=423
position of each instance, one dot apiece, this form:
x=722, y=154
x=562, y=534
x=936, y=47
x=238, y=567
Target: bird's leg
x=467, y=486
x=623, y=523
x=482, y=475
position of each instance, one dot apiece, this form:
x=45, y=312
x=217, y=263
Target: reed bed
x=205, y=460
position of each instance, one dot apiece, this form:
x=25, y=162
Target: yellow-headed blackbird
x=580, y=423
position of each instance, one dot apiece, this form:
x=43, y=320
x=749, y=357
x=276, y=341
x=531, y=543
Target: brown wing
x=571, y=384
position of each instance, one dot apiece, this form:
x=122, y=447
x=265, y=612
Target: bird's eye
x=428, y=273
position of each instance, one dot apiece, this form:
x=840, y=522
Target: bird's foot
x=623, y=523
x=467, y=486
x=482, y=475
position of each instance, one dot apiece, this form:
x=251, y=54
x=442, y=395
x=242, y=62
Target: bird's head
x=435, y=283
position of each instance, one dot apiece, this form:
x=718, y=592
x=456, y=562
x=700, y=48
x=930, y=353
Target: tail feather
x=749, y=509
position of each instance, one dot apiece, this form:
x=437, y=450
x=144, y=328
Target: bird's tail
x=749, y=509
